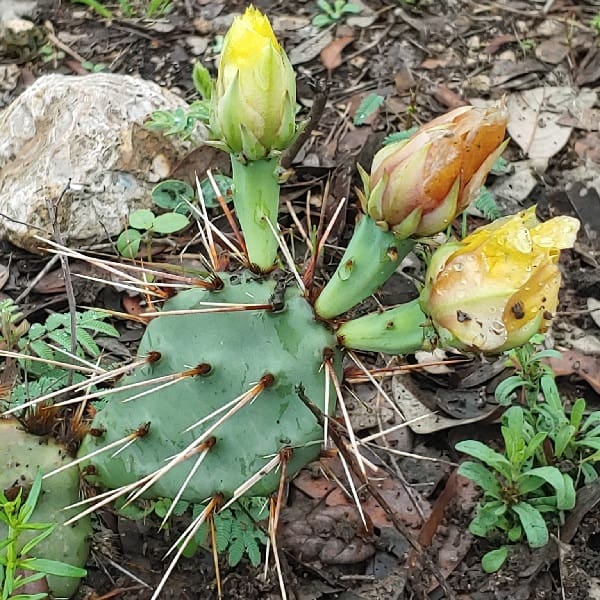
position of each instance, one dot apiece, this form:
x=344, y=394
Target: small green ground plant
x=547, y=453
x=332, y=12
x=15, y=556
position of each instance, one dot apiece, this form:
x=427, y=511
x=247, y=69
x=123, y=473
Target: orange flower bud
x=418, y=186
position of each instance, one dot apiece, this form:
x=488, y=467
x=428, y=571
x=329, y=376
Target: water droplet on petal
x=498, y=328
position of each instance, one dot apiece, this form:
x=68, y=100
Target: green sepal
x=370, y=259
x=399, y=330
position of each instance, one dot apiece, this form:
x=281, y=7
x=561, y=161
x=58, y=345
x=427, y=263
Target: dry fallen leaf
x=533, y=121
x=572, y=362
x=331, y=55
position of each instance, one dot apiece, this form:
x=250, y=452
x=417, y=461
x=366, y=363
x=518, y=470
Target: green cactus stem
x=370, y=259
x=400, y=330
x=24, y=454
x=283, y=348
x=256, y=201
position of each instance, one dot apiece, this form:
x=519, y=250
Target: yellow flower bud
x=254, y=102
x=499, y=286
x=418, y=186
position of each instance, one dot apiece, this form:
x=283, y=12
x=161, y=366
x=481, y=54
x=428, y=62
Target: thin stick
x=340, y=397
x=215, y=556
x=47, y=267
x=402, y=425
x=287, y=255
x=377, y=385
x=227, y=212
x=169, y=379
x=353, y=491
x=218, y=307
x=64, y=261
x=212, y=251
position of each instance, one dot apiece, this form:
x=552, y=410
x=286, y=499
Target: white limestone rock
x=89, y=130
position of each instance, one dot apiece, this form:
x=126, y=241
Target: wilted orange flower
x=499, y=286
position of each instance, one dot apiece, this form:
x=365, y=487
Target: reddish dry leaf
x=448, y=97
x=494, y=45
x=132, y=305
x=588, y=147
x=394, y=493
x=572, y=362
x=331, y=55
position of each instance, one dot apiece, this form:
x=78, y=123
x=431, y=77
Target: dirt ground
x=421, y=58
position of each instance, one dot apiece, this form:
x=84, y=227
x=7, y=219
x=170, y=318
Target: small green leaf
x=493, y=560
x=506, y=388
x=97, y=6
x=202, y=80
x=141, y=219
x=577, y=412
x=321, y=21
x=225, y=185
x=533, y=524
x=486, y=455
x=351, y=8
x=52, y=567
x=367, y=107
x=128, y=243
x=173, y=195
x=564, y=436
x=482, y=477
x=170, y=223
x=551, y=393
x=399, y=136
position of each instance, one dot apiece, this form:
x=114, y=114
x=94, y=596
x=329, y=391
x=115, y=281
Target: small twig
x=336, y=436
x=315, y=116
x=52, y=213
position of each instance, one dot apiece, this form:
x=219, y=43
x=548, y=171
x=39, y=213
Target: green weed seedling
x=516, y=493
x=595, y=23
x=143, y=224
x=181, y=122
x=333, y=12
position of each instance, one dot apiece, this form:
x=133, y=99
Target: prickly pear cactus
x=282, y=347
x=24, y=454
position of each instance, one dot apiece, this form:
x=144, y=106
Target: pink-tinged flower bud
x=499, y=286
x=418, y=186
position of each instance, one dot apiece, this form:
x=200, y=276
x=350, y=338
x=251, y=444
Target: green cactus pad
x=241, y=347
x=24, y=454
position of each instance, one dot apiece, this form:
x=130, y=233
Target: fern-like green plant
x=236, y=529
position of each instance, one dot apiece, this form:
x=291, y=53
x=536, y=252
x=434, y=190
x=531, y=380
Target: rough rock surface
x=88, y=130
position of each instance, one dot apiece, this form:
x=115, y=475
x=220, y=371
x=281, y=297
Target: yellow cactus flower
x=418, y=186
x=499, y=286
x=254, y=103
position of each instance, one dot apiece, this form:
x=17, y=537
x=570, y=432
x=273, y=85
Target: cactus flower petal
x=499, y=286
